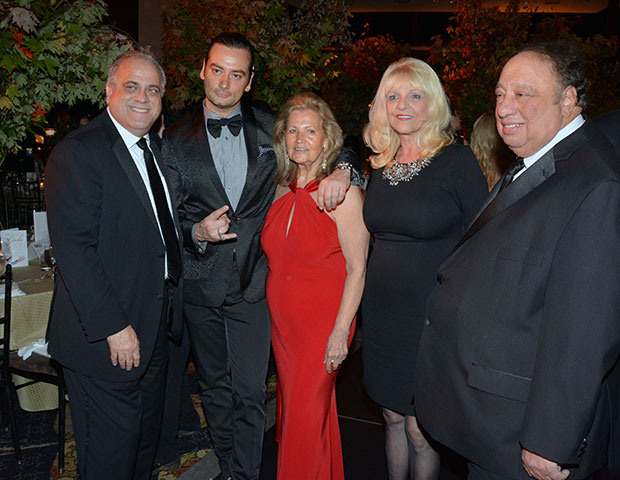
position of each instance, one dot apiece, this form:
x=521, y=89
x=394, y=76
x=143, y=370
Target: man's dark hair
x=566, y=61
x=233, y=40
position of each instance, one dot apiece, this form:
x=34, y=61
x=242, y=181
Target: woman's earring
x=324, y=162
x=287, y=161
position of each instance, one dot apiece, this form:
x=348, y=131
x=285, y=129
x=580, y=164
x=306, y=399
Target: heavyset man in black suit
x=223, y=164
x=118, y=284
x=518, y=364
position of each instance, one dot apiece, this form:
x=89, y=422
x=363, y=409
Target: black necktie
x=163, y=214
x=234, y=124
x=514, y=168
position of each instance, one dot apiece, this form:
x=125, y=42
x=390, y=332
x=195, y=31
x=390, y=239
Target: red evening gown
x=304, y=288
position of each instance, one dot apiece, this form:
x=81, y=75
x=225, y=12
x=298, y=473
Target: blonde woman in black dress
x=423, y=193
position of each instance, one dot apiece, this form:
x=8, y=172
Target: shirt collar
x=210, y=114
x=128, y=138
x=577, y=122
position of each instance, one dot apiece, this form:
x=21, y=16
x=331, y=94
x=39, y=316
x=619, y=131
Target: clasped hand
x=214, y=227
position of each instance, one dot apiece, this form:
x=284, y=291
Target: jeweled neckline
x=404, y=172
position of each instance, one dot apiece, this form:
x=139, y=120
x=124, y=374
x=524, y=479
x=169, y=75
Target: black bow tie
x=234, y=125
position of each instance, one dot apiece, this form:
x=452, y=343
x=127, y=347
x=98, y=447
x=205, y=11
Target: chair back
x=27, y=195
x=5, y=321
x=36, y=372
x=28, y=191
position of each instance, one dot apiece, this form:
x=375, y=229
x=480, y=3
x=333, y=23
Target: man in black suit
x=223, y=167
x=118, y=291
x=518, y=363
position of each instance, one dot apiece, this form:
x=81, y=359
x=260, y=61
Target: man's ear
x=249, y=85
x=569, y=100
x=108, y=92
x=204, y=67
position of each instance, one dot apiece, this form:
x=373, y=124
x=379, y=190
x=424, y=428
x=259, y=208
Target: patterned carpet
x=38, y=440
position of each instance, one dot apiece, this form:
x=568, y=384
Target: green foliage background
x=470, y=55
x=310, y=48
x=54, y=53
x=51, y=52
x=291, y=44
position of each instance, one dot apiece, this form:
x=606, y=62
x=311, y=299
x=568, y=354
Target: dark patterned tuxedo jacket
x=198, y=191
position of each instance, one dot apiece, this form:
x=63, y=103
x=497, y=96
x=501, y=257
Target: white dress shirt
x=131, y=142
x=575, y=124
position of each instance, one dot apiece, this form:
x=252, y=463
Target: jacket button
x=582, y=448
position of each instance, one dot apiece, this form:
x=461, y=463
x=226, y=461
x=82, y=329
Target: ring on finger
x=219, y=234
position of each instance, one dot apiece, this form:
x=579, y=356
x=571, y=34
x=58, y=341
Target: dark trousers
x=230, y=345
x=116, y=424
x=179, y=411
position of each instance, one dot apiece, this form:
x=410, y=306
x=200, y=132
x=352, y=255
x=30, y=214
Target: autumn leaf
x=39, y=112
x=5, y=102
x=24, y=19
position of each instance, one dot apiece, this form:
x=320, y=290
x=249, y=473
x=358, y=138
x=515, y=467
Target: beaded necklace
x=403, y=172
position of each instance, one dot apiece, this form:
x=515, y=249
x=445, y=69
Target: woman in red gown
x=317, y=263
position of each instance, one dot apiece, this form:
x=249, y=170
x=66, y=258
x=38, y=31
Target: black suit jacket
x=609, y=124
x=109, y=252
x=199, y=191
x=522, y=339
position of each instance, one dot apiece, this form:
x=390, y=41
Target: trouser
x=230, y=345
x=179, y=412
x=116, y=424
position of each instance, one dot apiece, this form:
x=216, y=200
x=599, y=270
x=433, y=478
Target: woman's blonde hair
x=287, y=170
x=492, y=154
x=435, y=134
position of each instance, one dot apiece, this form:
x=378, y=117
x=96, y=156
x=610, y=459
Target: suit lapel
x=515, y=191
x=156, y=148
x=251, y=145
x=198, y=150
x=528, y=181
x=129, y=167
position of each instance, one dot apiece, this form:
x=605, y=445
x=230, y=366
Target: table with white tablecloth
x=29, y=315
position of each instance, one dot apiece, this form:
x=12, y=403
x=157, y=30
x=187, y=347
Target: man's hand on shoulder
x=214, y=226
x=542, y=469
x=125, y=348
x=333, y=189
